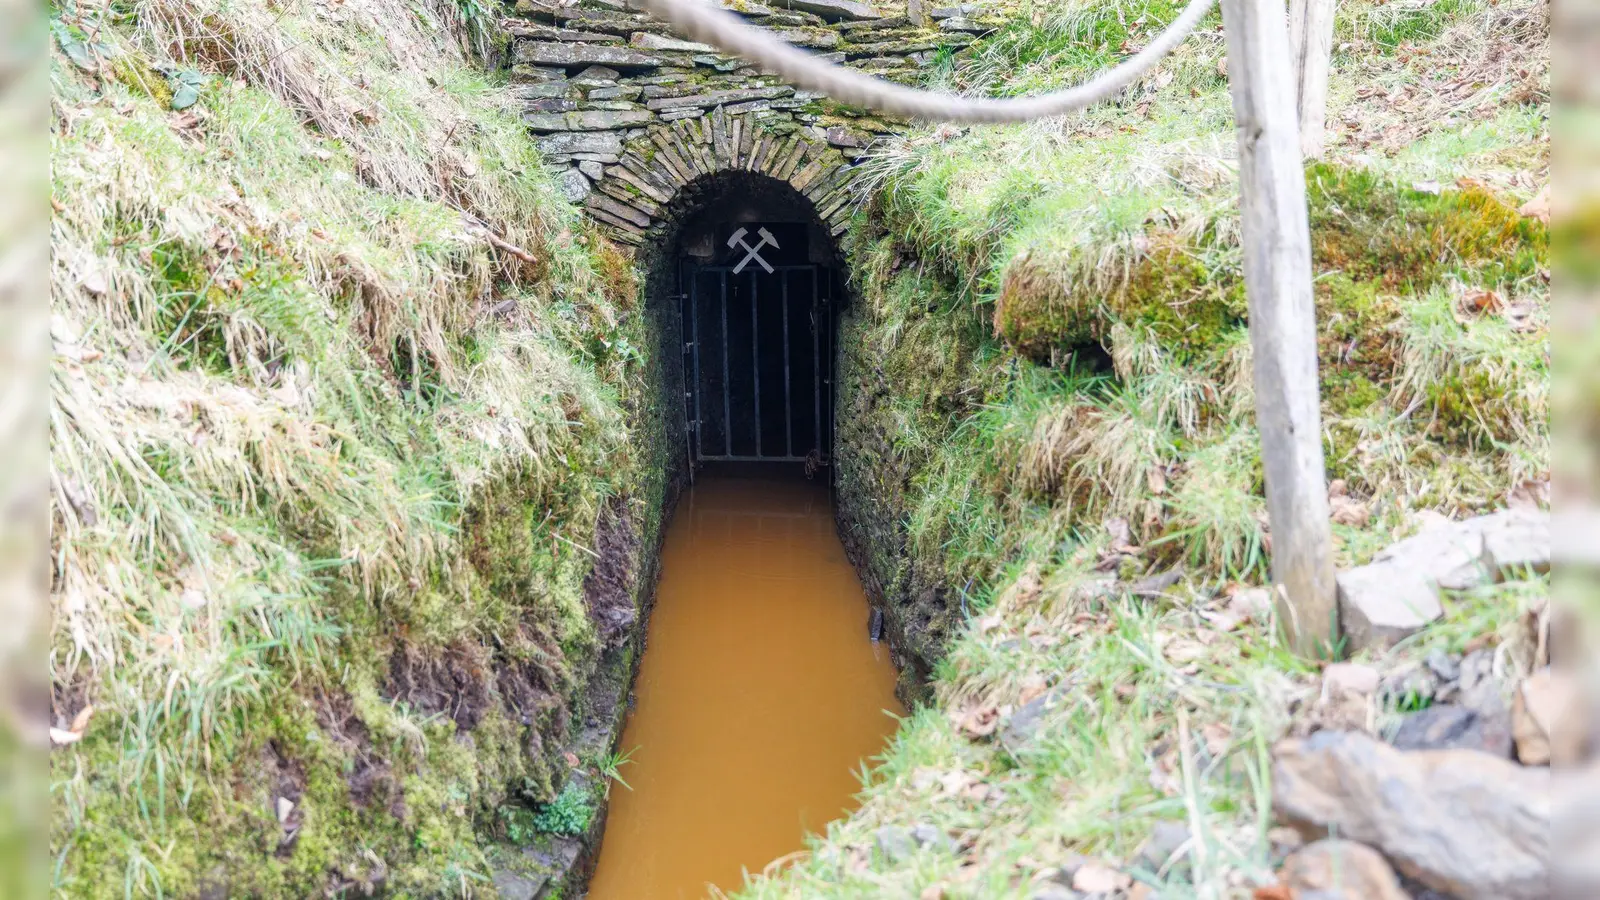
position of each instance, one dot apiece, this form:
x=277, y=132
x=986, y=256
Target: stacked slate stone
x=631, y=113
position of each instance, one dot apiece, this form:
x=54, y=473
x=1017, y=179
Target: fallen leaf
x=1254, y=604
x=1337, y=488
x=1222, y=619
x=62, y=737
x=80, y=722
x=1095, y=878
x=571, y=758
x=932, y=892
x=956, y=780
x=1121, y=534
x=1273, y=892
x=1032, y=687
x=1218, y=738
x=979, y=720
x=1156, y=479
x=1479, y=302
x=94, y=281
x=1140, y=891
x=1183, y=650
x=1538, y=207
x=1346, y=511
x=1520, y=316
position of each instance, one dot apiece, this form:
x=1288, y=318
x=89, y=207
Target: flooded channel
x=759, y=694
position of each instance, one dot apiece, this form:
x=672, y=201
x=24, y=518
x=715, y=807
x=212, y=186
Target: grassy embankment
x=1047, y=380
x=342, y=393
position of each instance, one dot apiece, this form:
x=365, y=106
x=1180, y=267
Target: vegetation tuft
x=328, y=458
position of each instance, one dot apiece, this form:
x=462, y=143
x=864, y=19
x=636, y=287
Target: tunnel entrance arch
x=752, y=281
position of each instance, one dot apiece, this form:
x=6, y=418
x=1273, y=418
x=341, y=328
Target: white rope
x=703, y=22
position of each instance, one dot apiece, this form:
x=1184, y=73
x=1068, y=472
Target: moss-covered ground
x=1046, y=397
x=344, y=397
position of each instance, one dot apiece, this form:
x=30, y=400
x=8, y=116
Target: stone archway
x=631, y=196
x=631, y=114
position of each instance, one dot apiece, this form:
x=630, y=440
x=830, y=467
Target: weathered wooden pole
x=1283, y=339
x=1311, y=34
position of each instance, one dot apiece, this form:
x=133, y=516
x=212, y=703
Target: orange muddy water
x=759, y=694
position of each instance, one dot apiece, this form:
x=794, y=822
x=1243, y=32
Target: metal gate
x=758, y=362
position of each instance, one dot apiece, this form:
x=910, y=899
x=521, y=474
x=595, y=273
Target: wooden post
x=1311, y=32
x=1283, y=339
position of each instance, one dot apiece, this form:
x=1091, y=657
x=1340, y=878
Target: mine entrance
x=757, y=293
x=757, y=351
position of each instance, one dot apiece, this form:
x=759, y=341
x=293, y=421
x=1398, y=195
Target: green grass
x=1047, y=385
x=290, y=448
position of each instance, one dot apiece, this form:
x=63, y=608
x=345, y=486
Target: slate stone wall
x=632, y=113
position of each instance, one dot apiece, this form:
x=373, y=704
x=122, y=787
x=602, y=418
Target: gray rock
x=1341, y=870
x=538, y=32
x=1441, y=664
x=552, y=54
x=593, y=170
x=597, y=76
x=1022, y=726
x=1446, y=726
x=1383, y=603
x=545, y=91
x=894, y=843
x=964, y=24
x=644, y=40
x=619, y=92
x=528, y=875
x=931, y=836
x=719, y=98
x=536, y=74
x=550, y=104
x=586, y=120
x=834, y=10
x=518, y=886
x=573, y=185
x=1516, y=540
x=1458, y=821
x=1454, y=557
x=1160, y=852
x=840, y=136
x=599, y=143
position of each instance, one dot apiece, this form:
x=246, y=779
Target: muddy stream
x=759, y=694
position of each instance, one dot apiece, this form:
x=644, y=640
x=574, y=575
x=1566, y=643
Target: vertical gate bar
x=788, y=407
x=816, y=368
x=694, y=336
x=685, y=348
x=755, y=353
x=727, y=417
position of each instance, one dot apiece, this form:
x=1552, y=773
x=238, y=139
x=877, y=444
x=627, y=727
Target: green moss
x=1169, y=292
x=1348, y=390
x=1370, y=229
x=1372, y=241
x=135, y=72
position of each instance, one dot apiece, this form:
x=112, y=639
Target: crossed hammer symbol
x=752, y=252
